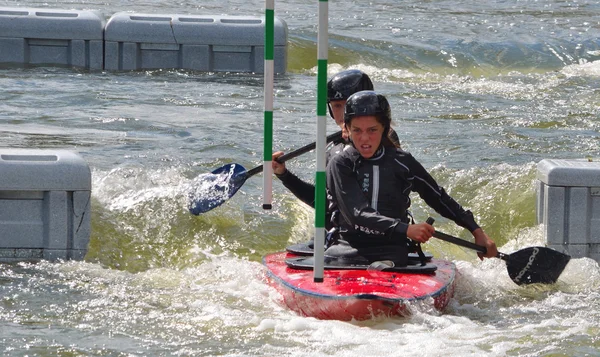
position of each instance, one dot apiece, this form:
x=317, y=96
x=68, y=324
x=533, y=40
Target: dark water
x=480, y=93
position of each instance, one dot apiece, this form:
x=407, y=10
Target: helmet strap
x=330, y=110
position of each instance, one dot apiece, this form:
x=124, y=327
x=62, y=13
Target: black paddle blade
x=212, y=190
x=536, y=265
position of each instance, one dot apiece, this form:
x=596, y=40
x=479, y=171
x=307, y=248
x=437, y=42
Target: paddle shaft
x=258, y=169
x=463, y=243
x=526, y=266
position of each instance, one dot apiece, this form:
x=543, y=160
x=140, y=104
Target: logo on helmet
x=338, y=95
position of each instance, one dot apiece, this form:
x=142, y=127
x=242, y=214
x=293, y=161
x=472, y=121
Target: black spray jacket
x=301, y=189
x=372, y=195
x=306, y=191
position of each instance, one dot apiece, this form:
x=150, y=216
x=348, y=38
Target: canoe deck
x=358, y=294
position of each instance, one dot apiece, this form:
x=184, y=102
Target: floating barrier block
x=568, y=204
x=51, y=37
x=204, y=43
x=44, y=205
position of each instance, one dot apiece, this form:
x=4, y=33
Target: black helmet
x=368, y=103
x=345, y=83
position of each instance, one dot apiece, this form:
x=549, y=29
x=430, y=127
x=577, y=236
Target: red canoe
x=358, y=294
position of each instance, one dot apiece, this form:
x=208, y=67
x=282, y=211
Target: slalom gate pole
x=268, y=115
x=320, y=179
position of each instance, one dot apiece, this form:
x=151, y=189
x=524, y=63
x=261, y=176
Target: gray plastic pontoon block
x=44, y=205
x=31, y=36
x=204, y=43
x=568, y=204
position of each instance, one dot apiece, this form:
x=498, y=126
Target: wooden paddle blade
x=212, y=190
x=536, y=265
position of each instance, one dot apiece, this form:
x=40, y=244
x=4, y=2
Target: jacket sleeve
x=301, y=189
x=437, y=198
x=354, y=206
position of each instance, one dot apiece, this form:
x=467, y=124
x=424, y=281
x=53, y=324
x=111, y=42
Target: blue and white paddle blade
x=212, y=189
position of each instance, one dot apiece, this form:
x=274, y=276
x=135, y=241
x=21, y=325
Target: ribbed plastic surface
x=45, y=206
x=30, y=36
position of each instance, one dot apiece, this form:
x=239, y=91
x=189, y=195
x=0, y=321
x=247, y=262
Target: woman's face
x=366, y=133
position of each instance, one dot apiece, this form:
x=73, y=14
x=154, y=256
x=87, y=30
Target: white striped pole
x=320, y=193
x=268, y=115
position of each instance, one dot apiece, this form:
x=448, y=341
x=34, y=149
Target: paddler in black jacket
x=339, y=88
x=369, y=182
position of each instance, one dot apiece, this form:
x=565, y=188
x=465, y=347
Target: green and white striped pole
x=268, y=115
x=320, y=190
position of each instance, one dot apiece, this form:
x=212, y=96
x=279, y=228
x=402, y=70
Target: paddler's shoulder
x=346, y=154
